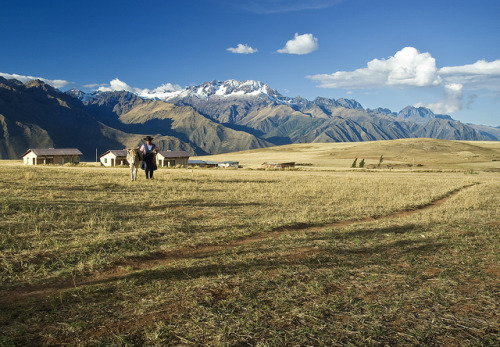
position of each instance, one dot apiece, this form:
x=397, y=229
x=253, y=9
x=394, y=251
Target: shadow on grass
x=203, y=203
x=351, y=258
x=376, y=232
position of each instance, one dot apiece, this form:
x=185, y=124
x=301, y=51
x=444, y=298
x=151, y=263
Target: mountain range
x=214, y=117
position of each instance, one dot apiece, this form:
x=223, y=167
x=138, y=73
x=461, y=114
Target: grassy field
x=417, y=154
x=249, y=257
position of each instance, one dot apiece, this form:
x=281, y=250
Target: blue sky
x=441, y=54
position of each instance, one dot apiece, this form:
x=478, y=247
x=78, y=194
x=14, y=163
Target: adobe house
x=60, y=156
x=172, y=158
x=114, y=157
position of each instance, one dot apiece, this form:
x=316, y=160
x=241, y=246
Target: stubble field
x=248, y=257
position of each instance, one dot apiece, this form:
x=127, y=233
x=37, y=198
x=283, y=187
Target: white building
x=114, y=157
x=58, y=156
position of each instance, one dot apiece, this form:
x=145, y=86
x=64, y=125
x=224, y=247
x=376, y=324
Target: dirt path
x=127, y=267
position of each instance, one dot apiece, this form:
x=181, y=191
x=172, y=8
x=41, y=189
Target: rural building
x=114, y=157
x=278, y=165
x=227, y=164
x=59, y=156
x=172, y=158
x=202, y=163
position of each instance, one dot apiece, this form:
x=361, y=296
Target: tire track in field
x=128, y=267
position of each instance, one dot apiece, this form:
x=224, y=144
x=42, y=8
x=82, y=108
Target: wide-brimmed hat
x=148, y=138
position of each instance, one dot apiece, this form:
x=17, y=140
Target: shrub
x=380, y=160
x=354, y=162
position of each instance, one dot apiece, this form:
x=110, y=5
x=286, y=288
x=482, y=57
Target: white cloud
x=411, y=68
x=408, y=67
x=452, y=101
x=300, y=44
x=480, y=75
x=481, y=67
x=242, y=49
x=164, y=90
x=116, y=85
x=24, y=79
x=167, y=87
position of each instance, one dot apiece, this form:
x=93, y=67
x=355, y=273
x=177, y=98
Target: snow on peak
x=163, y=92
x=207, y=90
x=169, y=92
x=230, y=88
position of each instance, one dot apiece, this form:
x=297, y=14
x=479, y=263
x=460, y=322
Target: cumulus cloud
x=411, y=68
x=408, y=67
x=300, y=44
x=242, y=49
x=452, y=101
x=116, y=85
x=24, y=79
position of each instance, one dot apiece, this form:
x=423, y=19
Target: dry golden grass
x=248, y=257
x=419, y=154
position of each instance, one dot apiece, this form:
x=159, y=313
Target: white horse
x=134, y=158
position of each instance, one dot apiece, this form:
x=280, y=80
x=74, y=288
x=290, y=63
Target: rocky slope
x=35, y=115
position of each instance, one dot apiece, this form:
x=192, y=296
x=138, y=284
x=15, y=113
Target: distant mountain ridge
x=214, y=117
x=257, y=109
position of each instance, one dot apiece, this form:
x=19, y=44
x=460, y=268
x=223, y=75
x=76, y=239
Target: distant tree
x=380, y=160
x=362, y=163
x=354, y=162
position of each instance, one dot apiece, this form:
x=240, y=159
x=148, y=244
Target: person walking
x=149, y=151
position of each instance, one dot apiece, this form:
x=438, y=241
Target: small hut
x=60, y=156
x=114, y=157
x=172, y=158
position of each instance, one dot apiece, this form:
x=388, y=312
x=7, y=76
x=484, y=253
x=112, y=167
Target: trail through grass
x=429, y=277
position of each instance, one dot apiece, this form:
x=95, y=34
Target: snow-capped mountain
x=221, y=90
x=214, y=89
x=207, y=90
x=231, y=88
